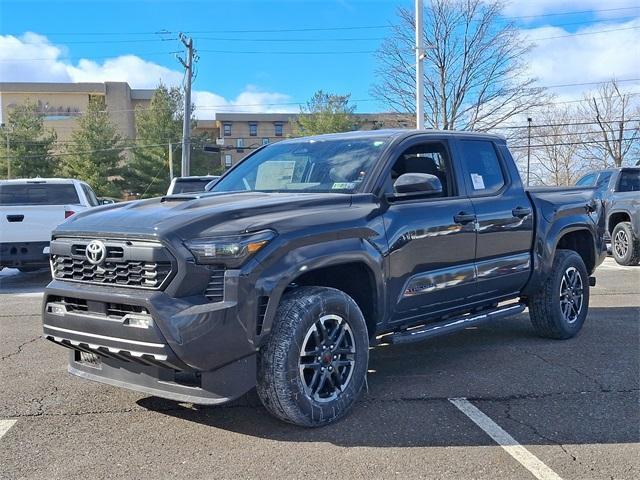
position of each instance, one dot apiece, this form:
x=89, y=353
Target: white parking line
x=506, y=441
x=5, y=425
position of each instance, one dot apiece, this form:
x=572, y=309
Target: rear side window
x=38, y=194
x=483, y=171
x=629, y=181
x=91, y=196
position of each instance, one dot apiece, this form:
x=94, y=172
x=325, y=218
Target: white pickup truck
x=29, y=210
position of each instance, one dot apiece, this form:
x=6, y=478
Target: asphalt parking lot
x=573, y=405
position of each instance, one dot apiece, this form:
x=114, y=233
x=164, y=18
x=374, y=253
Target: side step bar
x=456, y=324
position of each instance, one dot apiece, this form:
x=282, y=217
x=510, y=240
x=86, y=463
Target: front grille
x=131, y=274
x=215, y=288
x=119, y=310
x=71, y=304
x=136, y=264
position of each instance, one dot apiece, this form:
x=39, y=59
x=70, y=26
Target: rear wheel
x=624, y=246
x=560, y=308
x=314, y=366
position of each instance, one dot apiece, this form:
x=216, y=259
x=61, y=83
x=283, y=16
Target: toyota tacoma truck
x=619, y=189
x=29, y=211
x=305, y=254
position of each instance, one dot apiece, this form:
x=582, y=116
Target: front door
x=431, y=240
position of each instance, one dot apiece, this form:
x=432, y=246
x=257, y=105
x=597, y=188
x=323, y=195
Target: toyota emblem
x=96, y=252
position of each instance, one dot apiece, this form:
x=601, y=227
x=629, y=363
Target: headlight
x=229, y=250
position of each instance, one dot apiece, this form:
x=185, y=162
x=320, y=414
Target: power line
x=562, y=144
x=572, y=13
x=586, y=33
x=567, y=124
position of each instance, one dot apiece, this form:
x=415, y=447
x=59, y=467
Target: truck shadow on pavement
x=13, y=281
x=580, y=391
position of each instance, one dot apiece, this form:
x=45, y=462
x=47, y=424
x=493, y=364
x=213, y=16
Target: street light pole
x=419, y=66
x=186, y=124
x=528, y=149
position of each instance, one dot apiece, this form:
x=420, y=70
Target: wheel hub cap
x=621, y=243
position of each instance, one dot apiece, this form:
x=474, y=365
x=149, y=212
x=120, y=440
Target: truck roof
x=42, y=180
x=397, y=133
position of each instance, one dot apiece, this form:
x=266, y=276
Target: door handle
x=15, y=218
x=521, y=212
x=464, y=217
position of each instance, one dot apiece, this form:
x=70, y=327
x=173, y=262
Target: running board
x=456, y=324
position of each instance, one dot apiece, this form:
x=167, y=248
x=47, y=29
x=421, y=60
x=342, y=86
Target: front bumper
x=191, y=350
x=24, y=254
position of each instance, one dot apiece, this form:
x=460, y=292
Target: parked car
x=190, y=184
x=30, y=210
x=307, y=252
x=619, y=188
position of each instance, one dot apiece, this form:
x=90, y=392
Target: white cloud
x=520, y=8
x=584, y=58
x=251, y=99
x=33, y=58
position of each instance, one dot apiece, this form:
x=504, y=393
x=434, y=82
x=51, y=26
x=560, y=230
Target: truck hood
x=187, y=216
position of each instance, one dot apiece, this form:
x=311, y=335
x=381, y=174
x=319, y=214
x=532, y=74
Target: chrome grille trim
x=128, y=263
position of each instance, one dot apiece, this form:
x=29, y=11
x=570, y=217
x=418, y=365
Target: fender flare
x=276, y=278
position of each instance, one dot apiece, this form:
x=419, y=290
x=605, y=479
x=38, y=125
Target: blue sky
x=67, y=39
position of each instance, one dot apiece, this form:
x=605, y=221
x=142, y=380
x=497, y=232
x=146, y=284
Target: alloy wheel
x=621, y=243
x=571, y=294
x=327, y=358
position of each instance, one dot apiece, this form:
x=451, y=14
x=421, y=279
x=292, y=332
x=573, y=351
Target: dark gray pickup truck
x=306, y=253
x=619, y=189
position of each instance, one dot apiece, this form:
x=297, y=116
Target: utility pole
x=186, y=124
x=8, y=154
x=170, y=161
x=529, y=120
x=419, y=66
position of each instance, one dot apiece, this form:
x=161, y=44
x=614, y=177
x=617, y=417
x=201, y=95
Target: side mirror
x=106, y=201
x=417, y=183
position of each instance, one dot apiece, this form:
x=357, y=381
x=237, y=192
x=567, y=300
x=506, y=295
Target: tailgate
x=29, y=223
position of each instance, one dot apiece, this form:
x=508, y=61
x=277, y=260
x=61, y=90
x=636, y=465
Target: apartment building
x=237, y=134
x=61, y=104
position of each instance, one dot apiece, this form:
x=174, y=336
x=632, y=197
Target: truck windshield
x=311, y=165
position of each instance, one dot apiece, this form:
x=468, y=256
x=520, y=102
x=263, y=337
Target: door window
x=428, y=158
x=484, y=173
x=629, y=181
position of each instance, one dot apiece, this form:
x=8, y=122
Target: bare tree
x=475, y=73
x=617, y=126
x=555, y=146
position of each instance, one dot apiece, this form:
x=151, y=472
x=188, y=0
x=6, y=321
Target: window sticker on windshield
x=343, y=186
x=478, y=181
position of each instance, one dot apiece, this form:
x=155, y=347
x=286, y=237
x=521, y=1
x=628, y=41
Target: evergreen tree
x=30, y=144
x=159, y=124
x=326, y=113
x=95, y=153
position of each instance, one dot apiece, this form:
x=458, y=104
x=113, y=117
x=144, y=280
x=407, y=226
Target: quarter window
x=483, y=171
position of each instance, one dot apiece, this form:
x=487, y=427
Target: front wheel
x=560, y=308
x=314, y=366
x=624, y=246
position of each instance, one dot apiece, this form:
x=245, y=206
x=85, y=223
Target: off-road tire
x=545, y=309
x=631, y=254
x=280, y=386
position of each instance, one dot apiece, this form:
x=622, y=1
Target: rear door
x=504, y=218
